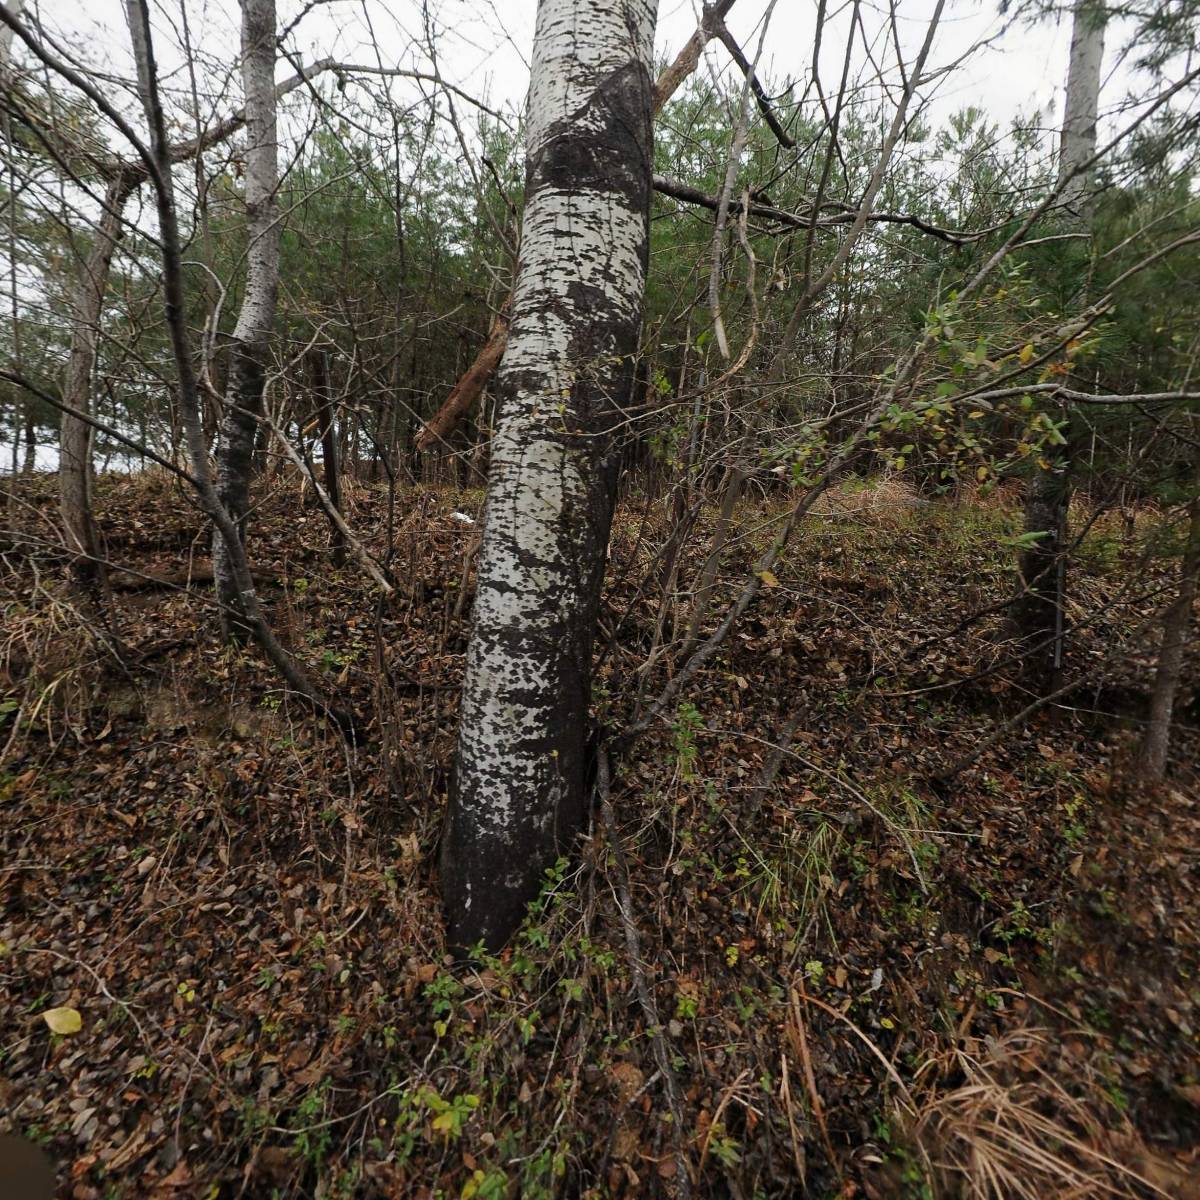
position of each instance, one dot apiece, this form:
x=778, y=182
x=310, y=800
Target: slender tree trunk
x=329, y=445
x=519, y=792
x=251, y=335
x=75, y=447
x=30, y=461
x=1078, y=143
x=6, y=37
x=1175, y=635
x=1040, y=611
x=706, y=582
x=159, y=153
x=467, y=390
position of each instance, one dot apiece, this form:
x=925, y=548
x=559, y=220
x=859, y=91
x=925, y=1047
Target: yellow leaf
x=443, y=1122
x=1026, y=353
x=981, y=474
x=768, y=578
x=63, y=1020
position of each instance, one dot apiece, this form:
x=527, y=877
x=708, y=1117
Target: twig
x=633, y=950
x=810, y=1080
x=785, y=1094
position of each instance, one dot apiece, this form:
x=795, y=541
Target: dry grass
x=1010, y=1129
x=881, y=499
x=49, y=651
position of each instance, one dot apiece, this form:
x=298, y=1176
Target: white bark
x=568, y=367
x=252, y=332
x=257, y=314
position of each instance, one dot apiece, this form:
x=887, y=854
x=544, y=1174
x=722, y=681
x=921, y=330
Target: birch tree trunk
x=519, y=790
x=473, y=381
x=251, y=334
x=157, y=158
x=75, y=446
x=1039, y=613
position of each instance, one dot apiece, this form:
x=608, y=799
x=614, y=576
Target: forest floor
x=872, y=982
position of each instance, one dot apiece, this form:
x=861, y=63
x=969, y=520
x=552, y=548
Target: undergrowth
x=871, y=984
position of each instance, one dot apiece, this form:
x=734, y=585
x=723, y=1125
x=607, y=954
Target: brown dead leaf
x=628, y=1079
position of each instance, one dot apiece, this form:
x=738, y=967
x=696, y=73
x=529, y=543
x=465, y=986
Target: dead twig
x=633, y=947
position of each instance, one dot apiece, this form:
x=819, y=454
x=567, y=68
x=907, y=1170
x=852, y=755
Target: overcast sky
x=484, y=45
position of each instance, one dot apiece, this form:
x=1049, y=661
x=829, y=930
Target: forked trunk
x=520, y=785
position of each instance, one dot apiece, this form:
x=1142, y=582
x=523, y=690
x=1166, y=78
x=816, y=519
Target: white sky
x=484, y=45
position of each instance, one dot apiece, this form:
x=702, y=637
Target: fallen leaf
x=63, y=1020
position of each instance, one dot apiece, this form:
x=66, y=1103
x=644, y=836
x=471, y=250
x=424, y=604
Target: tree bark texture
x=519, y=790
x=475, y=379
x=1078, y=143
x=251, y=335
x=711, y=25
x=1176, y=628
x=75, y=447
x=1039, y=610
x=1039, y=613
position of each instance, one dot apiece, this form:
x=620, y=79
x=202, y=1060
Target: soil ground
x=872, y=980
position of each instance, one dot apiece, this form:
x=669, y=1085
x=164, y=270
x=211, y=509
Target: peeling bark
x=519, y=792
x=251, y=334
